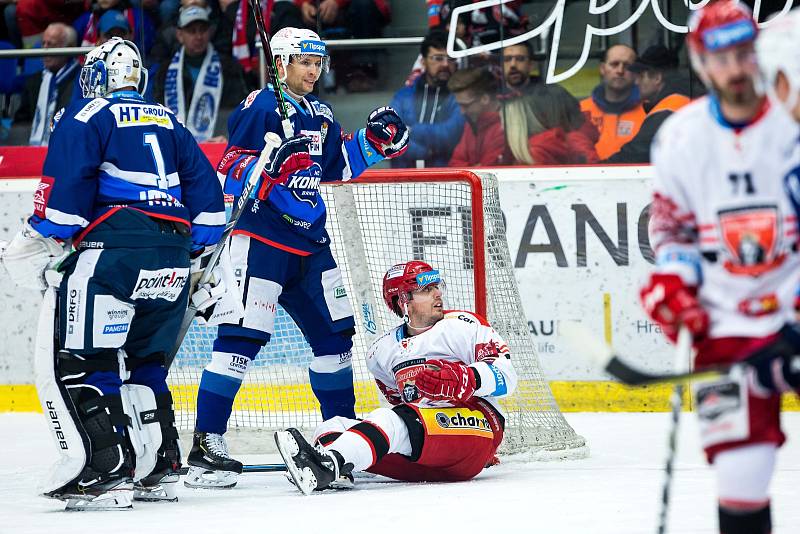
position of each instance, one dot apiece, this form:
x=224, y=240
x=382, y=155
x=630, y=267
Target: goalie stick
x=582, y=340
x=271, y=142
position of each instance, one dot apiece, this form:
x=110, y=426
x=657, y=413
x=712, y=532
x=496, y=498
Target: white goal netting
x=452, y=220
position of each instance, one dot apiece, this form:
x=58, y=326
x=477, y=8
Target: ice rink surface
x=616, y=490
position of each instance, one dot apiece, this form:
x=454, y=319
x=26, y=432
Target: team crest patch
x=250, y=99
x=751, y=236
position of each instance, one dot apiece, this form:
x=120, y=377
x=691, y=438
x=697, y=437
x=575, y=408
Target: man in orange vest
x=614, y=105
x=663, y=92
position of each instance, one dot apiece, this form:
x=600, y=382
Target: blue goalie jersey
x=292, y=216
x=121, y=152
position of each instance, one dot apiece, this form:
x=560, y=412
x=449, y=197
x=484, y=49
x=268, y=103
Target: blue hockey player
x=125, y=185
x=282, y=250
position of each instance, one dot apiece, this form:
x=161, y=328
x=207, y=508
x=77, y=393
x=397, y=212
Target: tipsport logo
x=728, y=35
x=429, y=277
x=313, y=47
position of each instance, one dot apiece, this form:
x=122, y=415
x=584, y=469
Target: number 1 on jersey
x=151, y=140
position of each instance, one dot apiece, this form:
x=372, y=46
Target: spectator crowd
x=484, y=110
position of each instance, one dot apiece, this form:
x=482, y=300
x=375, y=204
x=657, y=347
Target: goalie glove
x=671, y=304
x=29, y=256
x=216, y=300
x=387, y=132
x=444, y=380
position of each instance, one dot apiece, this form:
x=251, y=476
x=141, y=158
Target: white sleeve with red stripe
x=487, y=352
x=674, y=232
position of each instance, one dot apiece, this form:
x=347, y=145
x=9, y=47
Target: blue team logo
x=201, y=120
x=304, y=185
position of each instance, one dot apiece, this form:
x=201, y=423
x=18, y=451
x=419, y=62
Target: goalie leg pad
x=139, y=404
x=70, y=438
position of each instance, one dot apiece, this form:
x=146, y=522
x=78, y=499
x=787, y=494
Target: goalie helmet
x=403, y=279
x=719, y=25
x=776, y=49
x=111, y=66
x=289, y=42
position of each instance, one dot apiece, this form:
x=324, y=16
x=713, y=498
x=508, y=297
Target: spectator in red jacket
x=545, y=126
x=483, y=142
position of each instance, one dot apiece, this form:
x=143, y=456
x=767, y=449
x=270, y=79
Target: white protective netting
x=402, y=215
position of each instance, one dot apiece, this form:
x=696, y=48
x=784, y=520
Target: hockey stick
x=272, y=69
x=253, y=468
x=272, y=142
x=582, y=340
x=683, y=351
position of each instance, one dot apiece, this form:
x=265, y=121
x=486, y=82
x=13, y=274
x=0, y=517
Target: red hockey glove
x=290, y=157
x=387, y=132
x=443, y=380
x=671, y=304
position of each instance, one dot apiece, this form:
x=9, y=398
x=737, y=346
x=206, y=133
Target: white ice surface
x=616, y=490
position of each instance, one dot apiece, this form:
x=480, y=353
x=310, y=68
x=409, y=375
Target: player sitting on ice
x=443, y=371
x=126, y=185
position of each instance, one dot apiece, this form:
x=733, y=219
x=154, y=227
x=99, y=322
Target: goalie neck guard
x=401, y=280
x=113, y=65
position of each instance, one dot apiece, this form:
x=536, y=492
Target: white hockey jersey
x=394, y=359
x=721, y=216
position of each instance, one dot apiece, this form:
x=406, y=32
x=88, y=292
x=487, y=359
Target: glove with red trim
x=387, y=132
x=671, y=304
x=444, y=380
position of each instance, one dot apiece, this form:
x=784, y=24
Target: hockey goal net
x=452, y=220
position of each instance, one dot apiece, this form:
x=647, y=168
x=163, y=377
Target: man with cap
x=197, y=78
x=662, y=91
x=113, y=23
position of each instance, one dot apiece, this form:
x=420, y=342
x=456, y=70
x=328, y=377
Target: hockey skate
x=210, y=464
x=96, y=491
x=161, y=484
x=311, y=468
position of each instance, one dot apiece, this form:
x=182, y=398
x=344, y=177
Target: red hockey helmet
x=404, y=278
x=720, y=25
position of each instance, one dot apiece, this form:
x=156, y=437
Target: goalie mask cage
x=448, y=218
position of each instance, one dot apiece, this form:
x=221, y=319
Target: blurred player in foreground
x=443, y=371
x=726, y=241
